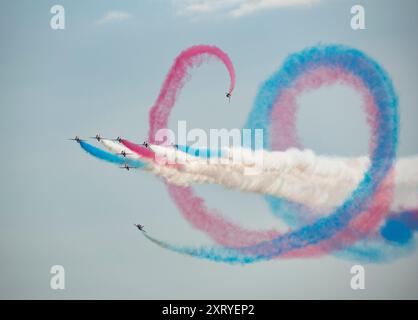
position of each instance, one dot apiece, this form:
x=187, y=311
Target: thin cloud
x=235, y=8
x=113, y=17
x=203, y=6
x=252, y=6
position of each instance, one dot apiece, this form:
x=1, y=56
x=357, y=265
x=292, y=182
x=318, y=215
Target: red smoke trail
x=138, y=149
x=192, y=206
x=177, y=77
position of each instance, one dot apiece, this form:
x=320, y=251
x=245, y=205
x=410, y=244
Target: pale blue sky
x=102, y=74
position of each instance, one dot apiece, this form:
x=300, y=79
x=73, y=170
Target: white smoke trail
x=318, y=182
x=118, y=148
x=170, y=174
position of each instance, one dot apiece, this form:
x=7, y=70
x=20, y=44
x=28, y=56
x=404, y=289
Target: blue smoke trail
x=260, y=118
x=364, y=253
x=397, y=231
x=217, y=254
x=380, y=249
x=201, y=152
x=293, y=67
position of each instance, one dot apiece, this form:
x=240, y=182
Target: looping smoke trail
x=384, y=123
x=283, y=115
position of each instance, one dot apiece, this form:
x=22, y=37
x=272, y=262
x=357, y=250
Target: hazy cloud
x=235, y=8
x=114, y=16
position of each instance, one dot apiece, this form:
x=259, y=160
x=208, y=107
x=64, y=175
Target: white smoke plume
x=318, y=182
